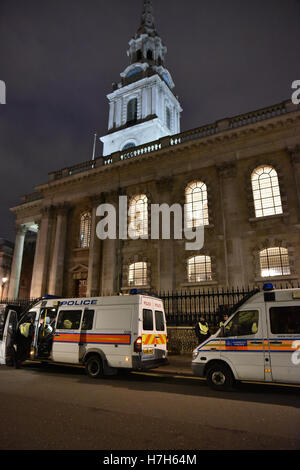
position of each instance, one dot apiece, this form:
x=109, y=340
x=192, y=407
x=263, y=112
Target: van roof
x=274, y=295
x=89, y=301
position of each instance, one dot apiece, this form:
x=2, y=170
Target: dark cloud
x=60, y=57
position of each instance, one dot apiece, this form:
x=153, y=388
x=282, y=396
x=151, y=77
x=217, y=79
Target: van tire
x=94, y=367
x=220, y=377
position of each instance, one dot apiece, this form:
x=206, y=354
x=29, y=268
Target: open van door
x=9, y=322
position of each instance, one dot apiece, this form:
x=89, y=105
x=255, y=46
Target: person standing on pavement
x=202, y=330
x=23, y=341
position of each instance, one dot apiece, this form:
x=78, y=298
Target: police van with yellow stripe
x=259, y=342
x=103, y=334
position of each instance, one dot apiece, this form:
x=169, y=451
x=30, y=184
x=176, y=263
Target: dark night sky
x=60, y=57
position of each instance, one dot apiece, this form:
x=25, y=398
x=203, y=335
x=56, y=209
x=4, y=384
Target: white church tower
x=142, y=107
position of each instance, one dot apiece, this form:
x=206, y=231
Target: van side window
x=285, y=320
x=147, y=320
x=243, y=324
x=88, y=318
x=69, y=320
x=159, y=321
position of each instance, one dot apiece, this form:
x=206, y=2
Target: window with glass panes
x=274, y=262
x=137, y=275
x=138, y=216
x=85, y=230
x=266, y=191
x=196, y=205
x=199, y=269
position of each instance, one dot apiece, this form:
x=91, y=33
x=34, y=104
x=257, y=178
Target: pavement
x=177, y=364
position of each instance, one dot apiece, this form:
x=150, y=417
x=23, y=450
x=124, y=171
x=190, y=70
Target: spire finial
x=147, y=22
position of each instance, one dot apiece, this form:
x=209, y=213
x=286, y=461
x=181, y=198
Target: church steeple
x=143, y=106
x=147, y=21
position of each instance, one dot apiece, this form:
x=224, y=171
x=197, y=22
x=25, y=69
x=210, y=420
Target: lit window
x=199, y=269
x=266, y=191
x=85, y=230
x=138, y=216
x=274, y=262
x=196, y=205
x=132, y=110
x=137, y=275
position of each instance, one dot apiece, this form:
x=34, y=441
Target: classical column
x=166, y=268
x=15, y=274
x=93, y=282
x=295, y=162
x=41, y=257
x=58, y=256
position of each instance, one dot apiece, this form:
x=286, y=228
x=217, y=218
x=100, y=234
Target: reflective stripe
x=84, y=337
x=203, y=328
x=154, y=339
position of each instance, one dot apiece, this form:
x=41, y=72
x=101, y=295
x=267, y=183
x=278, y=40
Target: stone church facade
x=239, y=178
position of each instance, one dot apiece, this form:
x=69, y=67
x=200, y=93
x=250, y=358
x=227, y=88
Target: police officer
x=202, y=330
x=23, y=341
x=228, y=326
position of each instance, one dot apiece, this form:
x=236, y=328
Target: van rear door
x=8, y=329
x=154, y=333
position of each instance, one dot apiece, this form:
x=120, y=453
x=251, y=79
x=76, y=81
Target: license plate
x=148, y=351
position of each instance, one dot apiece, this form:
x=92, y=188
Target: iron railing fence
x=185, y=308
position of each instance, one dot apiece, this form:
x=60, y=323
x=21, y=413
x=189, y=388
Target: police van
x=259, y=342
x=103, y=334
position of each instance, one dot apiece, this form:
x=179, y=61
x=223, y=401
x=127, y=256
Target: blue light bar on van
x=268, y=286
x=49, y=297
x=142, y=292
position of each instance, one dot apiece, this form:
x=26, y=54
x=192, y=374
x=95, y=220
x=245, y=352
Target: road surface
x=54, y=407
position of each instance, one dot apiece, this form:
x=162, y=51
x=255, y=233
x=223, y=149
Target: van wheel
x=220, y=377
x=94, y=367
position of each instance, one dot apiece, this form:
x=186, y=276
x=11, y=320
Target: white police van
x=259, y=342
x=104, y=334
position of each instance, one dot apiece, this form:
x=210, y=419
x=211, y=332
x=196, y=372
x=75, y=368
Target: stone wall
x=182, y=339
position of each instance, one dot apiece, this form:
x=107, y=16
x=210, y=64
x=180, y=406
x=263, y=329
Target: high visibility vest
x=67, y=324
x=203, y=328
x=254, y=328
x=24, y=329
x=227, y=327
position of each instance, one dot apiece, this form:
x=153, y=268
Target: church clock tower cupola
x=142, y=107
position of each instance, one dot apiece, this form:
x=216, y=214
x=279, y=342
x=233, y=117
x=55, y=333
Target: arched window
x=266, y=191
x=137, y=275
x=138, y=216
x=129, y=146
x=199, y=269
x=132, y=110
x=168, y=117
x=85, y=230
x=274, y=262
x=150, y=54
x=196, y=204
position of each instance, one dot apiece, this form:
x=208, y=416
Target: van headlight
x=195, y=355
